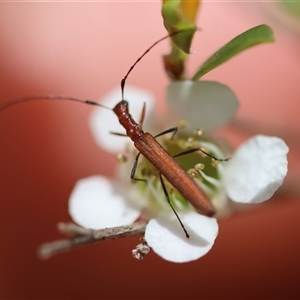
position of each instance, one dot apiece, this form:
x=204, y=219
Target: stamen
x=199, y=167
x=198, y=133
x=193, y=173
x=214, y=163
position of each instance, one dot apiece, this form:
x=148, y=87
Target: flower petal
x=203, y=104
x=96, y=202
x=256, y=170
x=168, y=240
x=103, y=121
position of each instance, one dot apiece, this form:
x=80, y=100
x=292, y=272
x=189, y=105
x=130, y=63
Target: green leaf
x=175, y=19
x=179, y=17
x=254, y=36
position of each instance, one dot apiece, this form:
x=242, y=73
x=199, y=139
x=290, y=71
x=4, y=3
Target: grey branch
x=80, y=236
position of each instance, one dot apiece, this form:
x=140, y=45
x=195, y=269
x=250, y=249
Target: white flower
x=257, y=170
x=96, y=194
x=103, y=121
x=254, y=173
x=259, y=166
x=204, y=104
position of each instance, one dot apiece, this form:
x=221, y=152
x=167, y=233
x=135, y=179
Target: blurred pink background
x=84, y=49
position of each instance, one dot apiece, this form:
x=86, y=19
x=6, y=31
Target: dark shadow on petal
x=174, y=227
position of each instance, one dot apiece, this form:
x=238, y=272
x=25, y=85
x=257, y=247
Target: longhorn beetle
x=147, y=145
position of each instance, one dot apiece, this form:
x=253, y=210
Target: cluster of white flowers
x=254, y=173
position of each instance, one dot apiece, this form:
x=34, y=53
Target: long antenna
x=89, y=102
x=50, y=97
x=123, y=81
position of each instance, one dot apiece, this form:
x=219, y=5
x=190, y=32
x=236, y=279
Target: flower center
x=205, y=170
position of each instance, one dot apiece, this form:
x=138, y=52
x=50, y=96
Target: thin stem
x=80, y=236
